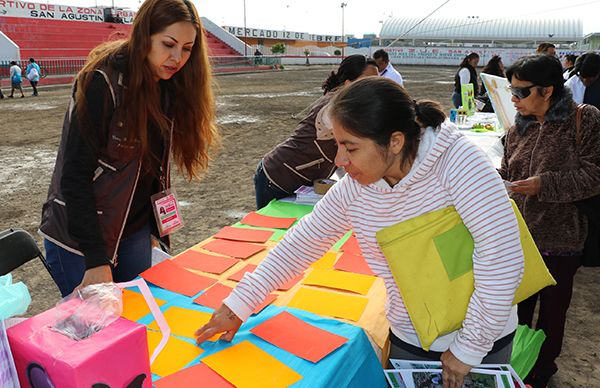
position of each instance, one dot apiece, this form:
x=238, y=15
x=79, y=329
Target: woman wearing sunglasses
x=549, y=170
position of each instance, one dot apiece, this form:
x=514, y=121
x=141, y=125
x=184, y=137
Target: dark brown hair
x=193, y=112
x=350, y=69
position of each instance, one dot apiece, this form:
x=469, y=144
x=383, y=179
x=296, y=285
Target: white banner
x=261, y=33
x=25, y=9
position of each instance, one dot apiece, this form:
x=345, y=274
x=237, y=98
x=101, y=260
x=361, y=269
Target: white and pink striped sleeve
x=302, y=245
x=481, y=200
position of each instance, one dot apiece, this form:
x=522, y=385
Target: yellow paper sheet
x=331, y=304
x=265, y=371
x=176, y=355
x=184, y=322
x=326, y=261
x=340, y=280
x=135, y=306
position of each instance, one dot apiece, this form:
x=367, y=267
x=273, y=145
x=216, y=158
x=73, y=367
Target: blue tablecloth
x=355, y=364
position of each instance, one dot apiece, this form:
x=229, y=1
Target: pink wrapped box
x=115, y=357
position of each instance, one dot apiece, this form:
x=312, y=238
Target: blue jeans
x=456, y=99
x=134, y=257
x=265, y=189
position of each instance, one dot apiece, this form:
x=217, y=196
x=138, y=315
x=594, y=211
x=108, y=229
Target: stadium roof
x=553, y=30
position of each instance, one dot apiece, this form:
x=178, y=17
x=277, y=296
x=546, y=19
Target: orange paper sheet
x=268, y=300
x=237, y=249
x=330, y=304
x=192, y=376
x=353, y=263
x=298, y=337
x=244, y=234
x=135, y=306
x=172, y=277
x=184, y=322
x=351, y=246
x=213, y=297
x=290, y=283
x=240, y=274
x=255, y=219
x=340, y=280
x=206, y=263
x=177, y=354
x=264, y=370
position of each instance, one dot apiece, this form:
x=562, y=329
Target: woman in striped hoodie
x=403, y=160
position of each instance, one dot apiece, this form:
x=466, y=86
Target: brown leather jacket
x=307, y=155
x=114, y=182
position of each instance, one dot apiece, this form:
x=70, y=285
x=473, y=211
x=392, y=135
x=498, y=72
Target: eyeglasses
x=521, y=93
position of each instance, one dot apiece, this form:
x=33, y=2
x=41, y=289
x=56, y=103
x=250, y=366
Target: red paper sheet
x=353, y=263
x=244, y=234
x=291, y=283
x=192, y=376
x=255, y=219
x=237, y=249
x=213, y=297
x=351, y=246
x=268, y=300
x=298, y=337
x=172, y=277
x=240, y=274
x=206, y=263
x=251, y=267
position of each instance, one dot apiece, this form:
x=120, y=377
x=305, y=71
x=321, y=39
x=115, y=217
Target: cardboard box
x=116, y=356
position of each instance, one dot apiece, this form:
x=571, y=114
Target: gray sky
x=365, y=16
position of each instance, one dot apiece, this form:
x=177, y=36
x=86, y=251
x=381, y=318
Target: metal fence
x=71, y=66
x=54, y=67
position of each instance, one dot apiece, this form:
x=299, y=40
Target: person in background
x=546, y=49
x=309, y=153
x=569, y=66
x=493, y=67
x=589, y=73
x=574, y=84
x=585, y=86
x=139, y=106
x=402, y=159
x=33, y=75
x=549, y=170
x=386, y=69
x=257, y=57
x=15, y=79
x=466, y=74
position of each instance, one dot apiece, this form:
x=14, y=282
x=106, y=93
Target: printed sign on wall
x=25, y=9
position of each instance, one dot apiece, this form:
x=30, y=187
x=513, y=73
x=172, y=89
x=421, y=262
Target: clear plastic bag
x=88, y=310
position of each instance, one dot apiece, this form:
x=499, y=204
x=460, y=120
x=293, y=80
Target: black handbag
x=590, y=207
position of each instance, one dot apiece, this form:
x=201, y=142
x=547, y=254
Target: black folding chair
x=17, y=247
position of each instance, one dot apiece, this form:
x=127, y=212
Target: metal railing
x=71, y=66
x=48, y=67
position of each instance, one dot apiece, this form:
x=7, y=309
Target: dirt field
x=255, y=113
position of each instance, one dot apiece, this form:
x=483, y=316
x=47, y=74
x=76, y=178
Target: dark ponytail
x=376, y=107
x=465, y=61
x=350, y=69
x=429, y=113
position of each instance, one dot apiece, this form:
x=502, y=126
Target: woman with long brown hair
x=138, y=105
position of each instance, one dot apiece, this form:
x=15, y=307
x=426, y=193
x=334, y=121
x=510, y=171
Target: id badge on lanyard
x=164, y=204
x=166, y=212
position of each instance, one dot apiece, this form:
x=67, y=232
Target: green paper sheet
x=280, y=209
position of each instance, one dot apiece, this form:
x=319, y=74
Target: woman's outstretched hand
x=223, y=321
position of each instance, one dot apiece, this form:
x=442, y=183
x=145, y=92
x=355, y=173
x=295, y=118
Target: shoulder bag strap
x=578, y=115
